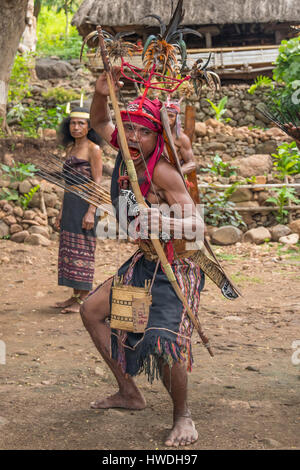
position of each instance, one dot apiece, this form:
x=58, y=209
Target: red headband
x=146, y=113
x=173, y=107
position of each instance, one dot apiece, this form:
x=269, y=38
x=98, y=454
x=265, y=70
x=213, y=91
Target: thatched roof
x=120, y=14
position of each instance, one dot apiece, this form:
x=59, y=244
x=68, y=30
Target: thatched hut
x=226, y=23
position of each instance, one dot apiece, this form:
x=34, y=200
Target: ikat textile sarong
x=76, y=257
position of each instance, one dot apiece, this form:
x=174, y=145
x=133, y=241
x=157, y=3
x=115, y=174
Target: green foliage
x=6, y=237
x=31, y=118
x=287, y=67
x=61, y=95
x=19, y=79
x=238, y=278
x=226, y=256
x=229, y=191
x=220, y=108
x=51, y=36
x=65, y=5
x=26, y=198
x=9, y=194
x=290, y=254
x=281, y=198
x=260, y=81
x=220, y=168
x=287, y=160
x=60, y=48
x=19, y=171
x=2, y=133
x=36, y=117
x=251, y=180
x=16, y=113
x=218, y=210
x=286, y=97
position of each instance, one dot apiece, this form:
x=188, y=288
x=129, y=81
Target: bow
x=137, y=192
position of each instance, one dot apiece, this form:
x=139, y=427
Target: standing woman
x=77, y=219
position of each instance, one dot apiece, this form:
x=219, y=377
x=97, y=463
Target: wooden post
x=208, y=40
x=286, y=180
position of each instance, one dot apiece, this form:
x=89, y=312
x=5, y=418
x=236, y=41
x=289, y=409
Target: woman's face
x=78, y=127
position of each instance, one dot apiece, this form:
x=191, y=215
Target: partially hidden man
x=163, y=350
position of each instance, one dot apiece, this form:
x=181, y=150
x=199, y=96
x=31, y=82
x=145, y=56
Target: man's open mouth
x=134, y=153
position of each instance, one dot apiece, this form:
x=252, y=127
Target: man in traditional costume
x=77, y=218
x=181, y=140
x=164, y=348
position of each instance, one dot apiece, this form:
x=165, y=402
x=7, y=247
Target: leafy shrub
x=287, y=64
x=260, y=81
x=31, y=118
x=16, y=113
x=26, y=198
x=286, y=98
x=61, y=95
x=19, y=171
x=9, y=194
x=51, y=36
x=36, y=117
x=287, y=160
x=220, y=168
x=19, y=79
x=281, y=198
x=220, y=108
x=218, y=210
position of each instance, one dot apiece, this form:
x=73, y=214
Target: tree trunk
x=29, y=39
x=37, y=8
x=12, y=25
x=67, y=24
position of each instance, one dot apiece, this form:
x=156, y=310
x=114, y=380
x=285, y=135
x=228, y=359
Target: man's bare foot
x=183, y=433
x=75, y=308
x=128, y=402
x=66, y=303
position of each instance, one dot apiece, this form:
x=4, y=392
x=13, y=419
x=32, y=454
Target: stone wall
x=241, y=106
x=249, y=154
x=35, y=224
x=255, y=198
x=232, y=143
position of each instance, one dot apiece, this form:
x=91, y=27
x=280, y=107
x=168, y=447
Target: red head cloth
x=146, y=113
x=174, y=107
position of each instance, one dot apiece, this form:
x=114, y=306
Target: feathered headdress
x=161, y=49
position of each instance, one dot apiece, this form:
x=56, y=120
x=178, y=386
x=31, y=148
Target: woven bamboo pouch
x=130, y=308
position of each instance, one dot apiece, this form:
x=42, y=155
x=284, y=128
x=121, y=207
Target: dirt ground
x=246, y=397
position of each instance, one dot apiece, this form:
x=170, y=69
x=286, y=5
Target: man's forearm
x=188, y=167
x=99, y=113
x=189, y=228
